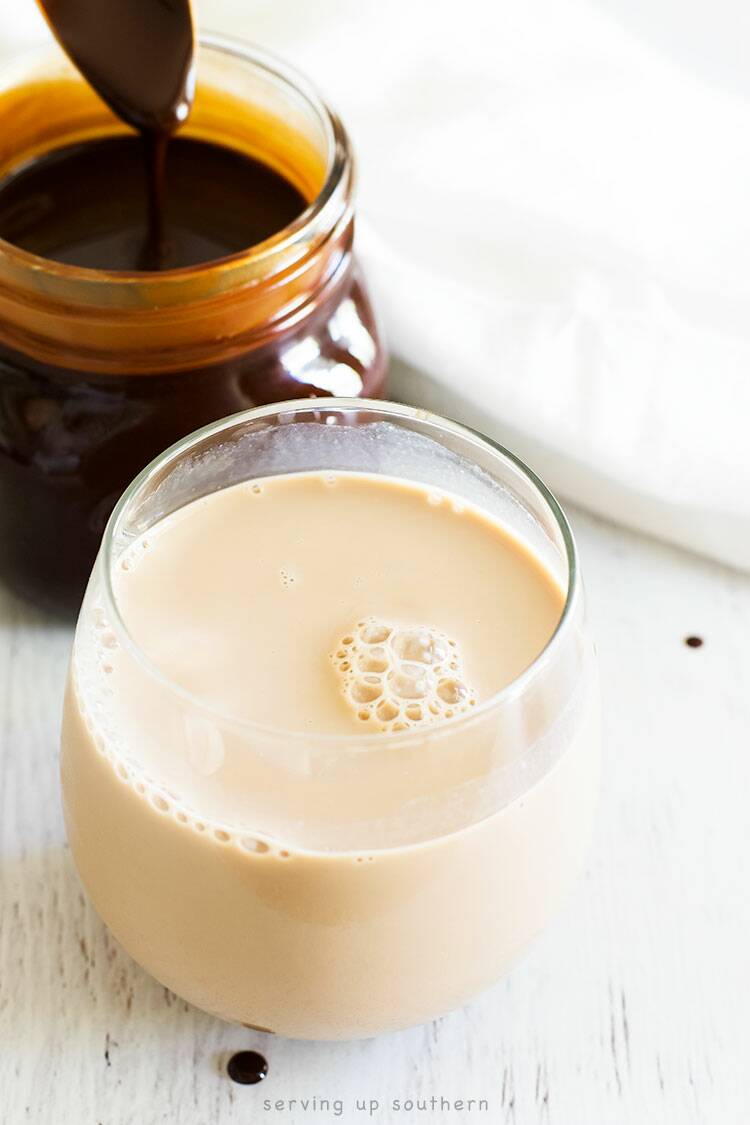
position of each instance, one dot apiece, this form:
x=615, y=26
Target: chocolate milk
x=286, y=789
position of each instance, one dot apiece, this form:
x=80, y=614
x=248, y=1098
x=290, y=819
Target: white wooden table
x=634, y=1007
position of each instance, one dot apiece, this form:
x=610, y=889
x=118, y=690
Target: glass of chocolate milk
x=331, y=735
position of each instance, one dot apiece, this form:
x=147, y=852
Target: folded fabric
x=554, y=216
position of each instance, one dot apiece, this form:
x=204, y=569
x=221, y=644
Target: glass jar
x=99, y=371
x=319, y=885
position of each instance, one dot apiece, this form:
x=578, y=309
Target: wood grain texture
x=633, y=1008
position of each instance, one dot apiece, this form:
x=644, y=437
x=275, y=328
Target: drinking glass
x=325, y=885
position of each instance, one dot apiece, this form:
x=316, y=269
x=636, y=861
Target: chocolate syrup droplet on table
x=247, y=1068
x=139, y=57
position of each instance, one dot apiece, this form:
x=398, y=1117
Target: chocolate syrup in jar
x=203, y=204
x=72, y=437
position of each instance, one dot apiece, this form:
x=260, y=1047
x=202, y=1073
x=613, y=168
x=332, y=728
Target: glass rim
x=339, y=158
x=371, y=740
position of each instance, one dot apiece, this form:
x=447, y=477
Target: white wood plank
x=634, y=1007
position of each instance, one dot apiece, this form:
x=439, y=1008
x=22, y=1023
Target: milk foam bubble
x=399, y=676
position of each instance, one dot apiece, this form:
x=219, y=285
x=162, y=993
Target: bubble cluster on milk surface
x=396, y=677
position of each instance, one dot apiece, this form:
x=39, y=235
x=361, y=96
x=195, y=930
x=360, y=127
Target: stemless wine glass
x=322, y=885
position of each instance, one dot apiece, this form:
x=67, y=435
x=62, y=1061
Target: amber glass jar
x=100, y=371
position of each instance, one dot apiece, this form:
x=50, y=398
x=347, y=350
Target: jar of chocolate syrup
x=106, y=356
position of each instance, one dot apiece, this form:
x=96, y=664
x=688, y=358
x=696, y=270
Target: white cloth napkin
x=556, y=219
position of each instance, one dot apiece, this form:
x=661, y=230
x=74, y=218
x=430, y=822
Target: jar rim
x=320, y=216
x=365, y=741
